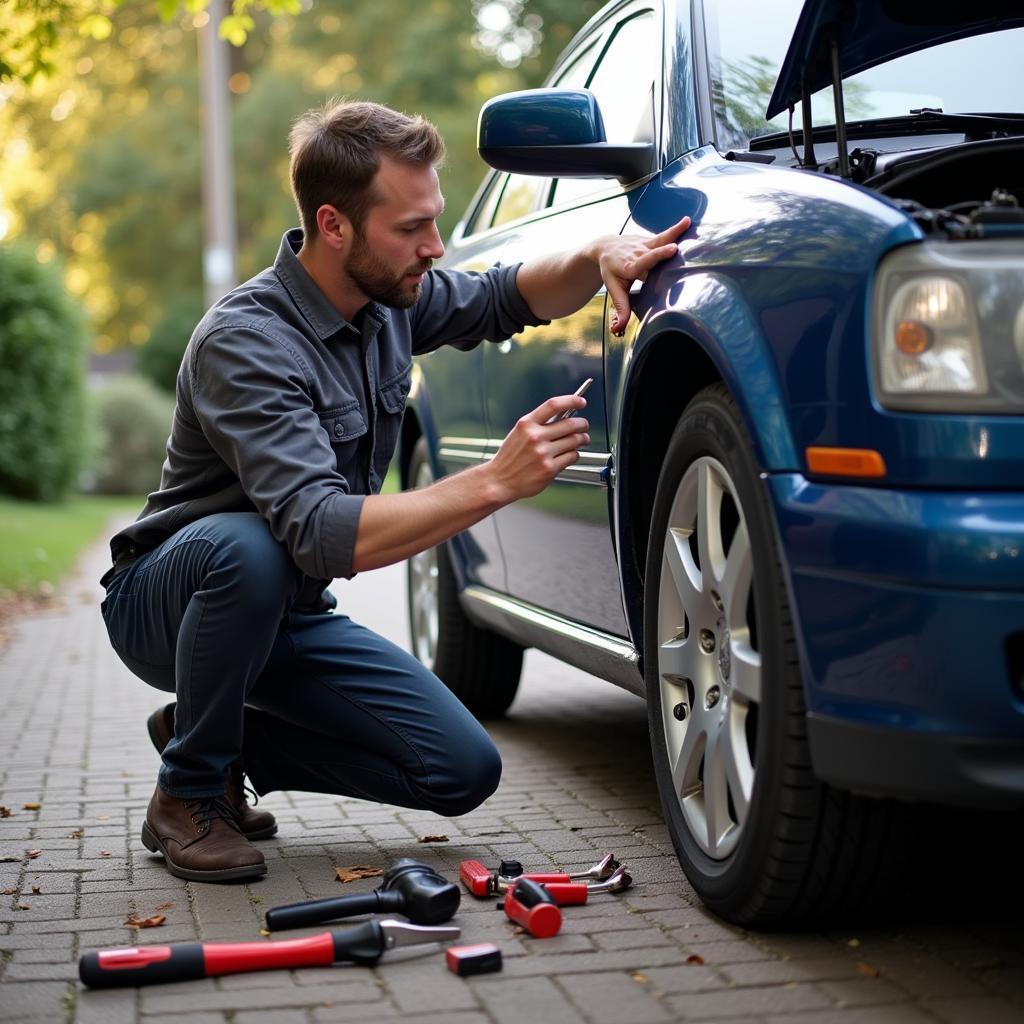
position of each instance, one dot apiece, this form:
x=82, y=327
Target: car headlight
x=948, y=327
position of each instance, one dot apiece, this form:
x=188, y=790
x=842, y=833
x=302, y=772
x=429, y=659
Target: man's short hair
x=336, y=150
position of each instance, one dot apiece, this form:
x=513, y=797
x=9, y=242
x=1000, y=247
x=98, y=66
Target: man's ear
x=334, y=227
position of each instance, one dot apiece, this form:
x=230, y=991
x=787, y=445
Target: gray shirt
x=287, y=409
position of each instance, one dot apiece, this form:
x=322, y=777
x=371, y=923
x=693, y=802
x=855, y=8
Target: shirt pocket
x=391, y=396
x=344, y=427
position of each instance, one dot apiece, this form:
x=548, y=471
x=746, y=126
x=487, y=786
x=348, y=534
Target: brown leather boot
x=200, y=839
x=254, y=824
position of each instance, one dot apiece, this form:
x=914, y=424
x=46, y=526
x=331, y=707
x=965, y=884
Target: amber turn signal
x=913, y=337
x=861, y=462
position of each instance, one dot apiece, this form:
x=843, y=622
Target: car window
x=519, y=197
x=622, y=84
x=485, y=208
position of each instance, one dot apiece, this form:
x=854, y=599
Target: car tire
x=761, y=840
x=480, y=667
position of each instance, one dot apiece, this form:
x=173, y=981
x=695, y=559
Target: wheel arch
x=676, y=354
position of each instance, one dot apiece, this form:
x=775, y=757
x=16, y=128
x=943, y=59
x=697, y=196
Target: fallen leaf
x=357, y=871
x=868, y=970
x=164, y=906
x=640, y=978
x=264, y=932
x=433, y=839
x=106, y=853
x=695, y=958
x=31, y=807
x=5, y=812
x=9, y=892
x=23, y=906
x=36, y=890
x=32, y=854
x=853, y=943
x=77, y=834
x=145, y=922
x=103, y=817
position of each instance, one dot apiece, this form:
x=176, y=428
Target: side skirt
x=605, y=656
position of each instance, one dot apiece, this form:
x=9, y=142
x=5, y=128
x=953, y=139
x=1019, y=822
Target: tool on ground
x=570, y=894
x=151, y=965
x=481, y=958
x=529, y=904
x=481, y=881
x=410, y=888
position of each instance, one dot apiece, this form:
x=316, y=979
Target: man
x=289, y=401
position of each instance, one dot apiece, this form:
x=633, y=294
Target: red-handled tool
x=482, y=881
x=572, y=894
x=528, y=903
x=151, y=965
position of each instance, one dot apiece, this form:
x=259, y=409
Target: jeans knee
x=471, y=780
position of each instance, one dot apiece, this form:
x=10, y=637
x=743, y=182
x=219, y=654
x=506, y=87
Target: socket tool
x=410, y=888
x=529, y=904
x=481, y=881
x=151, y=965
x=569, y=894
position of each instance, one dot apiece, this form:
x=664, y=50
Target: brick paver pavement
x=577, y=783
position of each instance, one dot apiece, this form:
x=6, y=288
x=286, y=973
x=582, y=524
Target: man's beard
x=379, y=281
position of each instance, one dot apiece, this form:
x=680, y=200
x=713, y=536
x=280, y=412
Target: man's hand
x=624, y=259
x=537, y=450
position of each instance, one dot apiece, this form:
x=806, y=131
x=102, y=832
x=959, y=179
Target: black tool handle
x=300, y=915
x=361, y=944
x=142, y=965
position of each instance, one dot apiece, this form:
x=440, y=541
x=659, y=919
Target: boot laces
x=207, y=809
x=239, y=789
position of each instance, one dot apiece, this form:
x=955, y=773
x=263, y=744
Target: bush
x=43, y=344
x=132, y=420
x=160, y=357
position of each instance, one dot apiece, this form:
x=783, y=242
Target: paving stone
x=533, y=999
x=611, y=998
x=750, y=1001
x=876, y=1015
x=983, y=1010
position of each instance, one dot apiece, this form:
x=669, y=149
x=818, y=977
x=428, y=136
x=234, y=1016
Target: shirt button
x=339, y=429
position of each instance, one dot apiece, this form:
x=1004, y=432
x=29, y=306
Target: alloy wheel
x=709, y=664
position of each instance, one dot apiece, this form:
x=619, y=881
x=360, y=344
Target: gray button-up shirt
x=287, y=409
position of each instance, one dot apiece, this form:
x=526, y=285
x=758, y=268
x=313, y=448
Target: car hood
x=874, y=31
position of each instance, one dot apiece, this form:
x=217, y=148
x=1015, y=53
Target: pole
x=219, y=261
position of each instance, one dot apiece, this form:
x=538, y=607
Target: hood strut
x=837, y=94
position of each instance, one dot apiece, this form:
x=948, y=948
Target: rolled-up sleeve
x=252, y=401
x=463, y=308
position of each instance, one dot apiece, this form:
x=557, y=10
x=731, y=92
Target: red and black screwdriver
x=151, y=965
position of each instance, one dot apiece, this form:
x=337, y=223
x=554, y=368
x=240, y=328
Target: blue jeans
x=308, y=701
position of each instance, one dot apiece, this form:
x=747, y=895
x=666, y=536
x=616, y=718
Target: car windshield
x=747, y=44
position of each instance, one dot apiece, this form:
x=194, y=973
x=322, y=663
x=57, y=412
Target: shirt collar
x=312, y=303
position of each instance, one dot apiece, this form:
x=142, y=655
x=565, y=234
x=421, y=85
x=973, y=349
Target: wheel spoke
x=684, y=771
x=709, y=533
x=745, y=672
x=736, y=577
x=735, y=758
x=688, y=589
x=676, y=659
x=716, y=794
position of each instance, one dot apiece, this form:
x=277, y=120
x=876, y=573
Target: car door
x=558, y=546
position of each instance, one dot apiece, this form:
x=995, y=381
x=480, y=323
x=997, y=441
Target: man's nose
x=433, y=248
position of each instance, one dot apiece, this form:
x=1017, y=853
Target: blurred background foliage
x=100, y=195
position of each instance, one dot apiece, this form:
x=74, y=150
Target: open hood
x=871, y=32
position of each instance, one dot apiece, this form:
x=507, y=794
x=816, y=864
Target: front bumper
x=909, y=613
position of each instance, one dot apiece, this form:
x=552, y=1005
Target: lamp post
x=219, y=246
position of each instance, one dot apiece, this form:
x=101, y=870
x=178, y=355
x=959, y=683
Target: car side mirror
x=557, y=133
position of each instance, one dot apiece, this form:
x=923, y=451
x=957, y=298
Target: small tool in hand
x=150, y=965
x=410, y=888
x=481, y=881
x=529, y=904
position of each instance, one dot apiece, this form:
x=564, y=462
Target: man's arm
x=557, y=285
x=394, y=526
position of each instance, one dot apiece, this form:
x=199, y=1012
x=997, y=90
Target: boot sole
x=151, y=843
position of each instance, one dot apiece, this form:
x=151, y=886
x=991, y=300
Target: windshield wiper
x=996, y=122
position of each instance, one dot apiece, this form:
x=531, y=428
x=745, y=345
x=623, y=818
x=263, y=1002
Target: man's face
x=399, y=239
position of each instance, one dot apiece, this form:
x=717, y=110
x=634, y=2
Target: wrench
x=481, y=881
x=567, y=894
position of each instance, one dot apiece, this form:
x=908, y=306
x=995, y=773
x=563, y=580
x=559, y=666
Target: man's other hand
x=536, y=450
x=624, y=259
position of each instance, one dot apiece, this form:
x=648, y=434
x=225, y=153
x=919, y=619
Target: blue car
x=798, y=531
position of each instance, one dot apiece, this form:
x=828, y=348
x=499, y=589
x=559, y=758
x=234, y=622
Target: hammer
x=410, y=888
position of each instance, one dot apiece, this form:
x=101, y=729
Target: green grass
x=39, y=543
